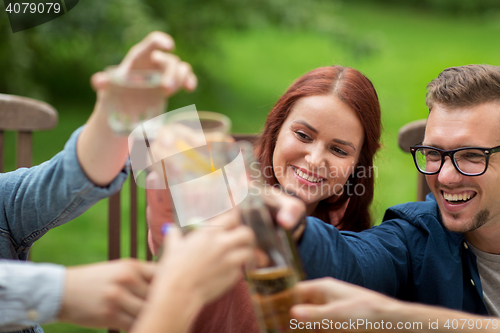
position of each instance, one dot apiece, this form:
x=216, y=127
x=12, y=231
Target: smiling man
x=444, y=251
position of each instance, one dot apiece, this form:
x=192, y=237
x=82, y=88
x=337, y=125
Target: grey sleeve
x=30, y=293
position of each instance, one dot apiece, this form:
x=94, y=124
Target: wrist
x=171, y=304
x=393, y=310
x=178, y=284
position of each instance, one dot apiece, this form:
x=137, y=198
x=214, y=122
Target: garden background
x=246, y=53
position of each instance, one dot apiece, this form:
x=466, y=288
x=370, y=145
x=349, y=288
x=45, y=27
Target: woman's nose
x=315, y=157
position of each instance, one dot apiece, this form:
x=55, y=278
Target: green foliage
x=55, y=60
x=454, y=7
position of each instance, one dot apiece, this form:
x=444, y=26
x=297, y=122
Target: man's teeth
x=457, y=197
x=306, y=177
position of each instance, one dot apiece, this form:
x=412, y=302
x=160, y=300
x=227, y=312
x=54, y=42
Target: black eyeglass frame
x=451, y=153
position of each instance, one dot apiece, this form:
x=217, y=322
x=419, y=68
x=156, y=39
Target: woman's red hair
x=354, y=89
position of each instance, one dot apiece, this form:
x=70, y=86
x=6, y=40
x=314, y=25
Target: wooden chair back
x=409, y=135
x=23, y=116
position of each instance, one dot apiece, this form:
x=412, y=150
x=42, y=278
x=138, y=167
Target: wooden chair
x=135, y=218
x=409, y=135
x=23, y=116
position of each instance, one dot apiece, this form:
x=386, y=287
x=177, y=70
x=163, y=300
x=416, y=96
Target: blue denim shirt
x=410, y=256
x=35, y=200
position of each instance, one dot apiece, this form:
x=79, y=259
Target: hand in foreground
x=340, y=301
x=344, y=303
x=195, y=269
x=106, y=295
x=207, y=261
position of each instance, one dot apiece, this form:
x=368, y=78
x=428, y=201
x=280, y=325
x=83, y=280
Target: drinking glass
x=133, y=97
x=200, y=165
x=276, y=268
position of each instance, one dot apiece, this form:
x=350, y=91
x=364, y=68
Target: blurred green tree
x=454, y=7
x=54, y=61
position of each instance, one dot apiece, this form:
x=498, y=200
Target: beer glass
x=276, y=268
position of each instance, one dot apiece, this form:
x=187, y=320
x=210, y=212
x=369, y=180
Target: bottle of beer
x=276, y=268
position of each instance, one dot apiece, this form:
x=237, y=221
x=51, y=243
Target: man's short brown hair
x=464, y=86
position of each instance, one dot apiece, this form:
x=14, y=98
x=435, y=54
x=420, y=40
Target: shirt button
x=466, y=246
x=472, y=282
x=32, y=315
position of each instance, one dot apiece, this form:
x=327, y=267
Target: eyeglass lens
x=469, y=161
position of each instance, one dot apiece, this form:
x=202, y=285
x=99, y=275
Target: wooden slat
x=411, y=134
x=133, y=218
x=2, y=151
x=24, y=149
x=114, y=226
x=25, y=114
x=245, y=137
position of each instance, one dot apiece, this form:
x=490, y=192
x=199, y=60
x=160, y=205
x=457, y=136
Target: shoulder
x=422, y=217
x=415, y=212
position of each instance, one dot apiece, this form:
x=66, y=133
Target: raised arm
x=101, y=153
x=376, y=258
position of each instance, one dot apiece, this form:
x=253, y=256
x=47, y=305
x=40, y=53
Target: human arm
x=99, y=295
x=193, y=270
x=106, y=295
x=35, y=200
x=376, y=258
x=159, y=211
x=29, y=293
x=341, y=302
x=102, y=153
x=92, y=165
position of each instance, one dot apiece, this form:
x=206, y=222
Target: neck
x=485, y=238
x=311, y=207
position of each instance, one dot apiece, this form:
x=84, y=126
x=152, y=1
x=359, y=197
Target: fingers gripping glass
x=469, y=161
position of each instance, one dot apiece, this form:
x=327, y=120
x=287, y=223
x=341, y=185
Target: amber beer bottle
x=275, y=269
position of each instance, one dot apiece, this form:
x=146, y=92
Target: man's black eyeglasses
x=469, y=161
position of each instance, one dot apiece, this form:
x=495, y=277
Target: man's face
x=476, y=126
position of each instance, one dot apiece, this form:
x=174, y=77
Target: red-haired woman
x=318, y=142
x=326, y=126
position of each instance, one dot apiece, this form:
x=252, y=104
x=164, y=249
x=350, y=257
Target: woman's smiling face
x=317, y=148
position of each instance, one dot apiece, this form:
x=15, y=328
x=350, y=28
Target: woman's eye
x=302, y=136
x=338, y=151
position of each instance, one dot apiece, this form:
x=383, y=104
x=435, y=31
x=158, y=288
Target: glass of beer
x=133, y=97
x=276, y=267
